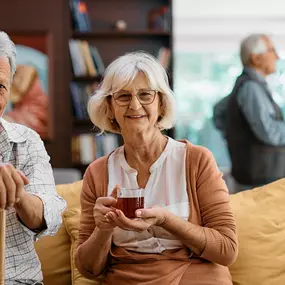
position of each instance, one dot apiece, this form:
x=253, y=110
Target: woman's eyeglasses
x=145, y=97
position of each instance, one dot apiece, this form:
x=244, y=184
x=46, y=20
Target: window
x=201, y=79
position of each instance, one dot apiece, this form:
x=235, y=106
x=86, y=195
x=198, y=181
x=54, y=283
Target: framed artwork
x=29, y=101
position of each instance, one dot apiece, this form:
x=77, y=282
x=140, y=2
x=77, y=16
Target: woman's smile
x=135, y=117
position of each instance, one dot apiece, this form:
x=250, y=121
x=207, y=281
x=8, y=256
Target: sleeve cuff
x=53, y=206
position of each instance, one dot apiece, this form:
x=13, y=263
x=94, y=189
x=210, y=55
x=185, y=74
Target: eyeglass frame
x=143, y=104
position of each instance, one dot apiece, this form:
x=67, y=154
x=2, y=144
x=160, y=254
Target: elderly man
x=251, y=121
x=27, y=189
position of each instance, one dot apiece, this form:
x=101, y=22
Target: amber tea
x=130, y=200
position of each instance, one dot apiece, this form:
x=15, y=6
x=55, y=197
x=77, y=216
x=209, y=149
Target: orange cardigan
x=209, y=208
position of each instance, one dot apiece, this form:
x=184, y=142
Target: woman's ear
x=161, y=105
x=111, y=116
x=110, y=110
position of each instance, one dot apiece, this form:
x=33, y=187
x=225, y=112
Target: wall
x=229, y=8
x=220, y=24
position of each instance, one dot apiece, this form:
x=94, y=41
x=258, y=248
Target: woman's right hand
x=103, y=206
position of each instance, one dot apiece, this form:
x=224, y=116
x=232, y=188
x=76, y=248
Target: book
x=77, y=59
x=87, y=148
x=97, y=60
x=80, y=17
x=89, y=63
x=75, y=95
x=80, y=94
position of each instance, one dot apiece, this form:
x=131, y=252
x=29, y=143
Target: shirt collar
x=15, y=133
x=124, y=164
x=259, y=77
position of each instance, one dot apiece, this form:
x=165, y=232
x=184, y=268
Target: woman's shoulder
x=98, y=163
x=196, y=150
x=96, y=169
x=198, y=156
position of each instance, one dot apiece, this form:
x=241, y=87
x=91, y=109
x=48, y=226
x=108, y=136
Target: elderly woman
x=186, y=233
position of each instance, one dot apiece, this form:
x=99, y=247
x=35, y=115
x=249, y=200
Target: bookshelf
x=35, y=17
x=89, y=79
x=112, y=43
x=121, y=34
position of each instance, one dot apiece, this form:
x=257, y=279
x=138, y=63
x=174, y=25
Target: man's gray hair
x=8, y=49
x=252, y=44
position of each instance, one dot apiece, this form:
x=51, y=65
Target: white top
x=166, y=187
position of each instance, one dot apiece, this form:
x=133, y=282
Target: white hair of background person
x=252, y=44
x=8, y=49
x=120, y=73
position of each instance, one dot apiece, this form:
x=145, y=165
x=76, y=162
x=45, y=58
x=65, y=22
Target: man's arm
x=259, y=112
x=31, y=212
x=40, y=208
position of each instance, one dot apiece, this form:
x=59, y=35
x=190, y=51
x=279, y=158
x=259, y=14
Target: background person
x=251, y=121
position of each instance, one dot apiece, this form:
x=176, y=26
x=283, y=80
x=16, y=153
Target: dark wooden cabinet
x=52, y=18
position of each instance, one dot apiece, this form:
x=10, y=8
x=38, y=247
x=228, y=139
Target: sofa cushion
x=261, y=231
x=54, y=251
x=71, y=221
x=71, y=194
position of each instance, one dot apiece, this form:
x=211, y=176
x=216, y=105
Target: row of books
x=88, y=147
x=86, y=59
x=80, y=95
x=79, y=14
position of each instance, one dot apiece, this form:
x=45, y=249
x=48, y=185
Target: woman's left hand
x=145, y=219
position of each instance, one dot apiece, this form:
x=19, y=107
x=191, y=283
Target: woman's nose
x=135, y=103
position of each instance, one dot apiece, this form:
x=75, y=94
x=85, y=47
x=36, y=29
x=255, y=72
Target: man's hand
x=12, y=183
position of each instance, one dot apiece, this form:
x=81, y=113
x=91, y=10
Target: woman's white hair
x=120, y=74
x=8, y=49
x=253, y=44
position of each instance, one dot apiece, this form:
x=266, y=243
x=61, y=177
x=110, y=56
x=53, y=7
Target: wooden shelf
x=83, y=126
x=120, y=34
x=80, y=166
x=87, y=78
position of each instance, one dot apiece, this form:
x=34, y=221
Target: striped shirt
x=23, y=148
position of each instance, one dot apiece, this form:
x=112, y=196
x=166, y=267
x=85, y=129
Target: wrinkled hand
x=102, y=207
x=12, y=183
x=145, y=219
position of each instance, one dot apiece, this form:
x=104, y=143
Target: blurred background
x=64, y=46
x=207, y=36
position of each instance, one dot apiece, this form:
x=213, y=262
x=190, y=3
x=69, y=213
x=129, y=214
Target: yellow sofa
x=260, y=215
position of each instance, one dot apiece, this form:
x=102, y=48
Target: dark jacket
x=253, y=161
